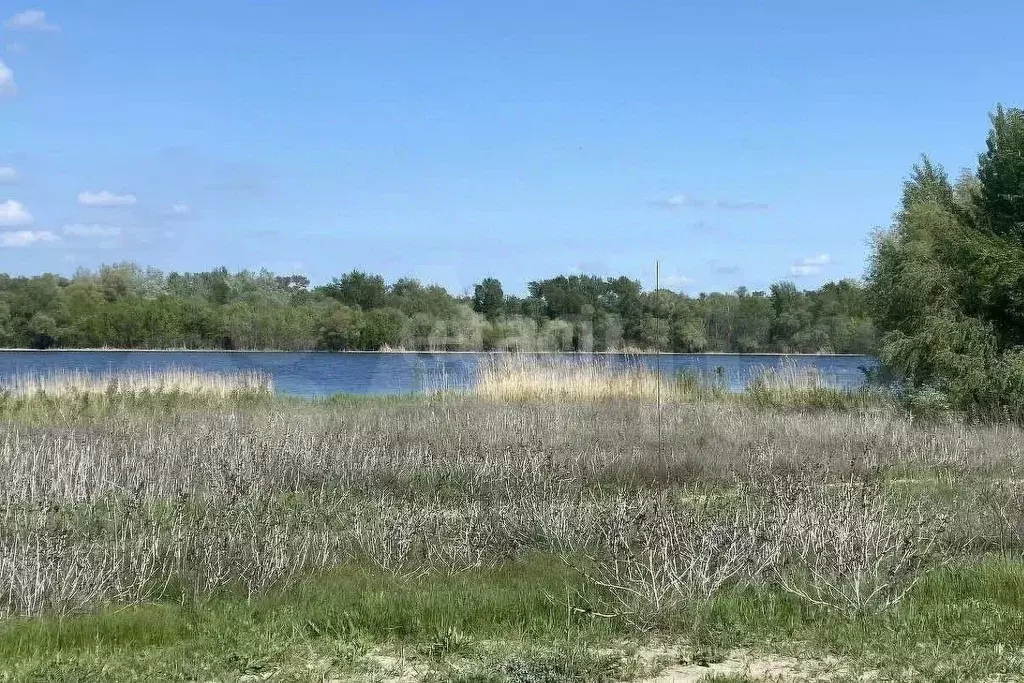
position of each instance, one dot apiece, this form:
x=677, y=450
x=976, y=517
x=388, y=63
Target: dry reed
x=520, y=378
x=171, y=381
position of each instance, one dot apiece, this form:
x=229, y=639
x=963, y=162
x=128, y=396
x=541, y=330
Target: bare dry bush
x=655, y=557
x=117, y=509
x=50, y=562
x=852, y=546
x=996, y=508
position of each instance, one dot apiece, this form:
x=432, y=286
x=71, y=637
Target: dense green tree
x=7, y=335
x=358, y=289
x=383, y=327
x=1001, y=175
x=489, y=298
x=340, y=328
x=689, y=334
x=42, y=331
x=947, y=279
x=421, y=332
x=556, y=335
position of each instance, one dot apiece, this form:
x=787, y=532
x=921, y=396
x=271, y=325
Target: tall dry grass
x=519, y=378
x=130, y=508
x=171, y=381
x=788, y=377
x=526, y=377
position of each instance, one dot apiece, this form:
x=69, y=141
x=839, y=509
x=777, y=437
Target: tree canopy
x=126, y=306
x=946, y=281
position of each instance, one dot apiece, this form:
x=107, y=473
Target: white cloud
x=685, y=201
x=91, y=230
x=30, y=20
x=675, y=281
x=810, y=266
x=105, y=198
x=14, y=214
x=681, y=201
x=819, y=260
x=26, y=238
x=8, y=174
x=804, y=271
x=16, y=48
x=179, y=210
x=732, y=205
x=7, y=84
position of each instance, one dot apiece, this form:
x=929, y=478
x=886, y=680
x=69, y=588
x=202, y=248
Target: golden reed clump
x=519, y=378
x=171, y=381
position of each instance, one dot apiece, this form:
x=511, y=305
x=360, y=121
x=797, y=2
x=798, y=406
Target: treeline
x=126, y=306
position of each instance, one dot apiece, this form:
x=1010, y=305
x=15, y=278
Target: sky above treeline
x=740, y=143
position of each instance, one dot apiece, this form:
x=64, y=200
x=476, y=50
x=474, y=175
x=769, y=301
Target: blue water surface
x=321, y=374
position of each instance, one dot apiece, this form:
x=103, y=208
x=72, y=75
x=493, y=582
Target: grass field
x=558, y=531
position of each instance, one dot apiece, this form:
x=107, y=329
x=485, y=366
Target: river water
x=320, y=374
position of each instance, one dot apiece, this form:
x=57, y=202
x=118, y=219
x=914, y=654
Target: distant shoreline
x=451, y=353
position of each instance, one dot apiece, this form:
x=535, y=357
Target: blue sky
x=740, y=143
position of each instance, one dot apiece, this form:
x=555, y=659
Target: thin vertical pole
x=657, y=295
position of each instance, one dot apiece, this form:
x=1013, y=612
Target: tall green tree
x=340, y=328
x=947, y=279
x=489, y=298
x=358, y=289
x=1001, y=175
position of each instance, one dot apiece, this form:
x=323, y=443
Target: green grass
x=46, y=410
x=961, y=623
x=509, y=624
x=524, y=600
x=350, y=608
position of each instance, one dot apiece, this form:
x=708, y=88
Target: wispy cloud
x=810, y=266
x=179, y=210
x=686, y=201
x=724, y=268
x=14, y=214
x=8, y=174
x=7, y=84
x=730, y=205
x=105, y=199
x=703, y=228
x=240, y=178
x=16, y=48
x=26, y=238
x=30, y=20
x=681, y=201
x=804, y=271
x=92, y=230
x=819, y=260
x=675, y=281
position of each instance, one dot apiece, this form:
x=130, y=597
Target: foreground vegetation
x=505, y=538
